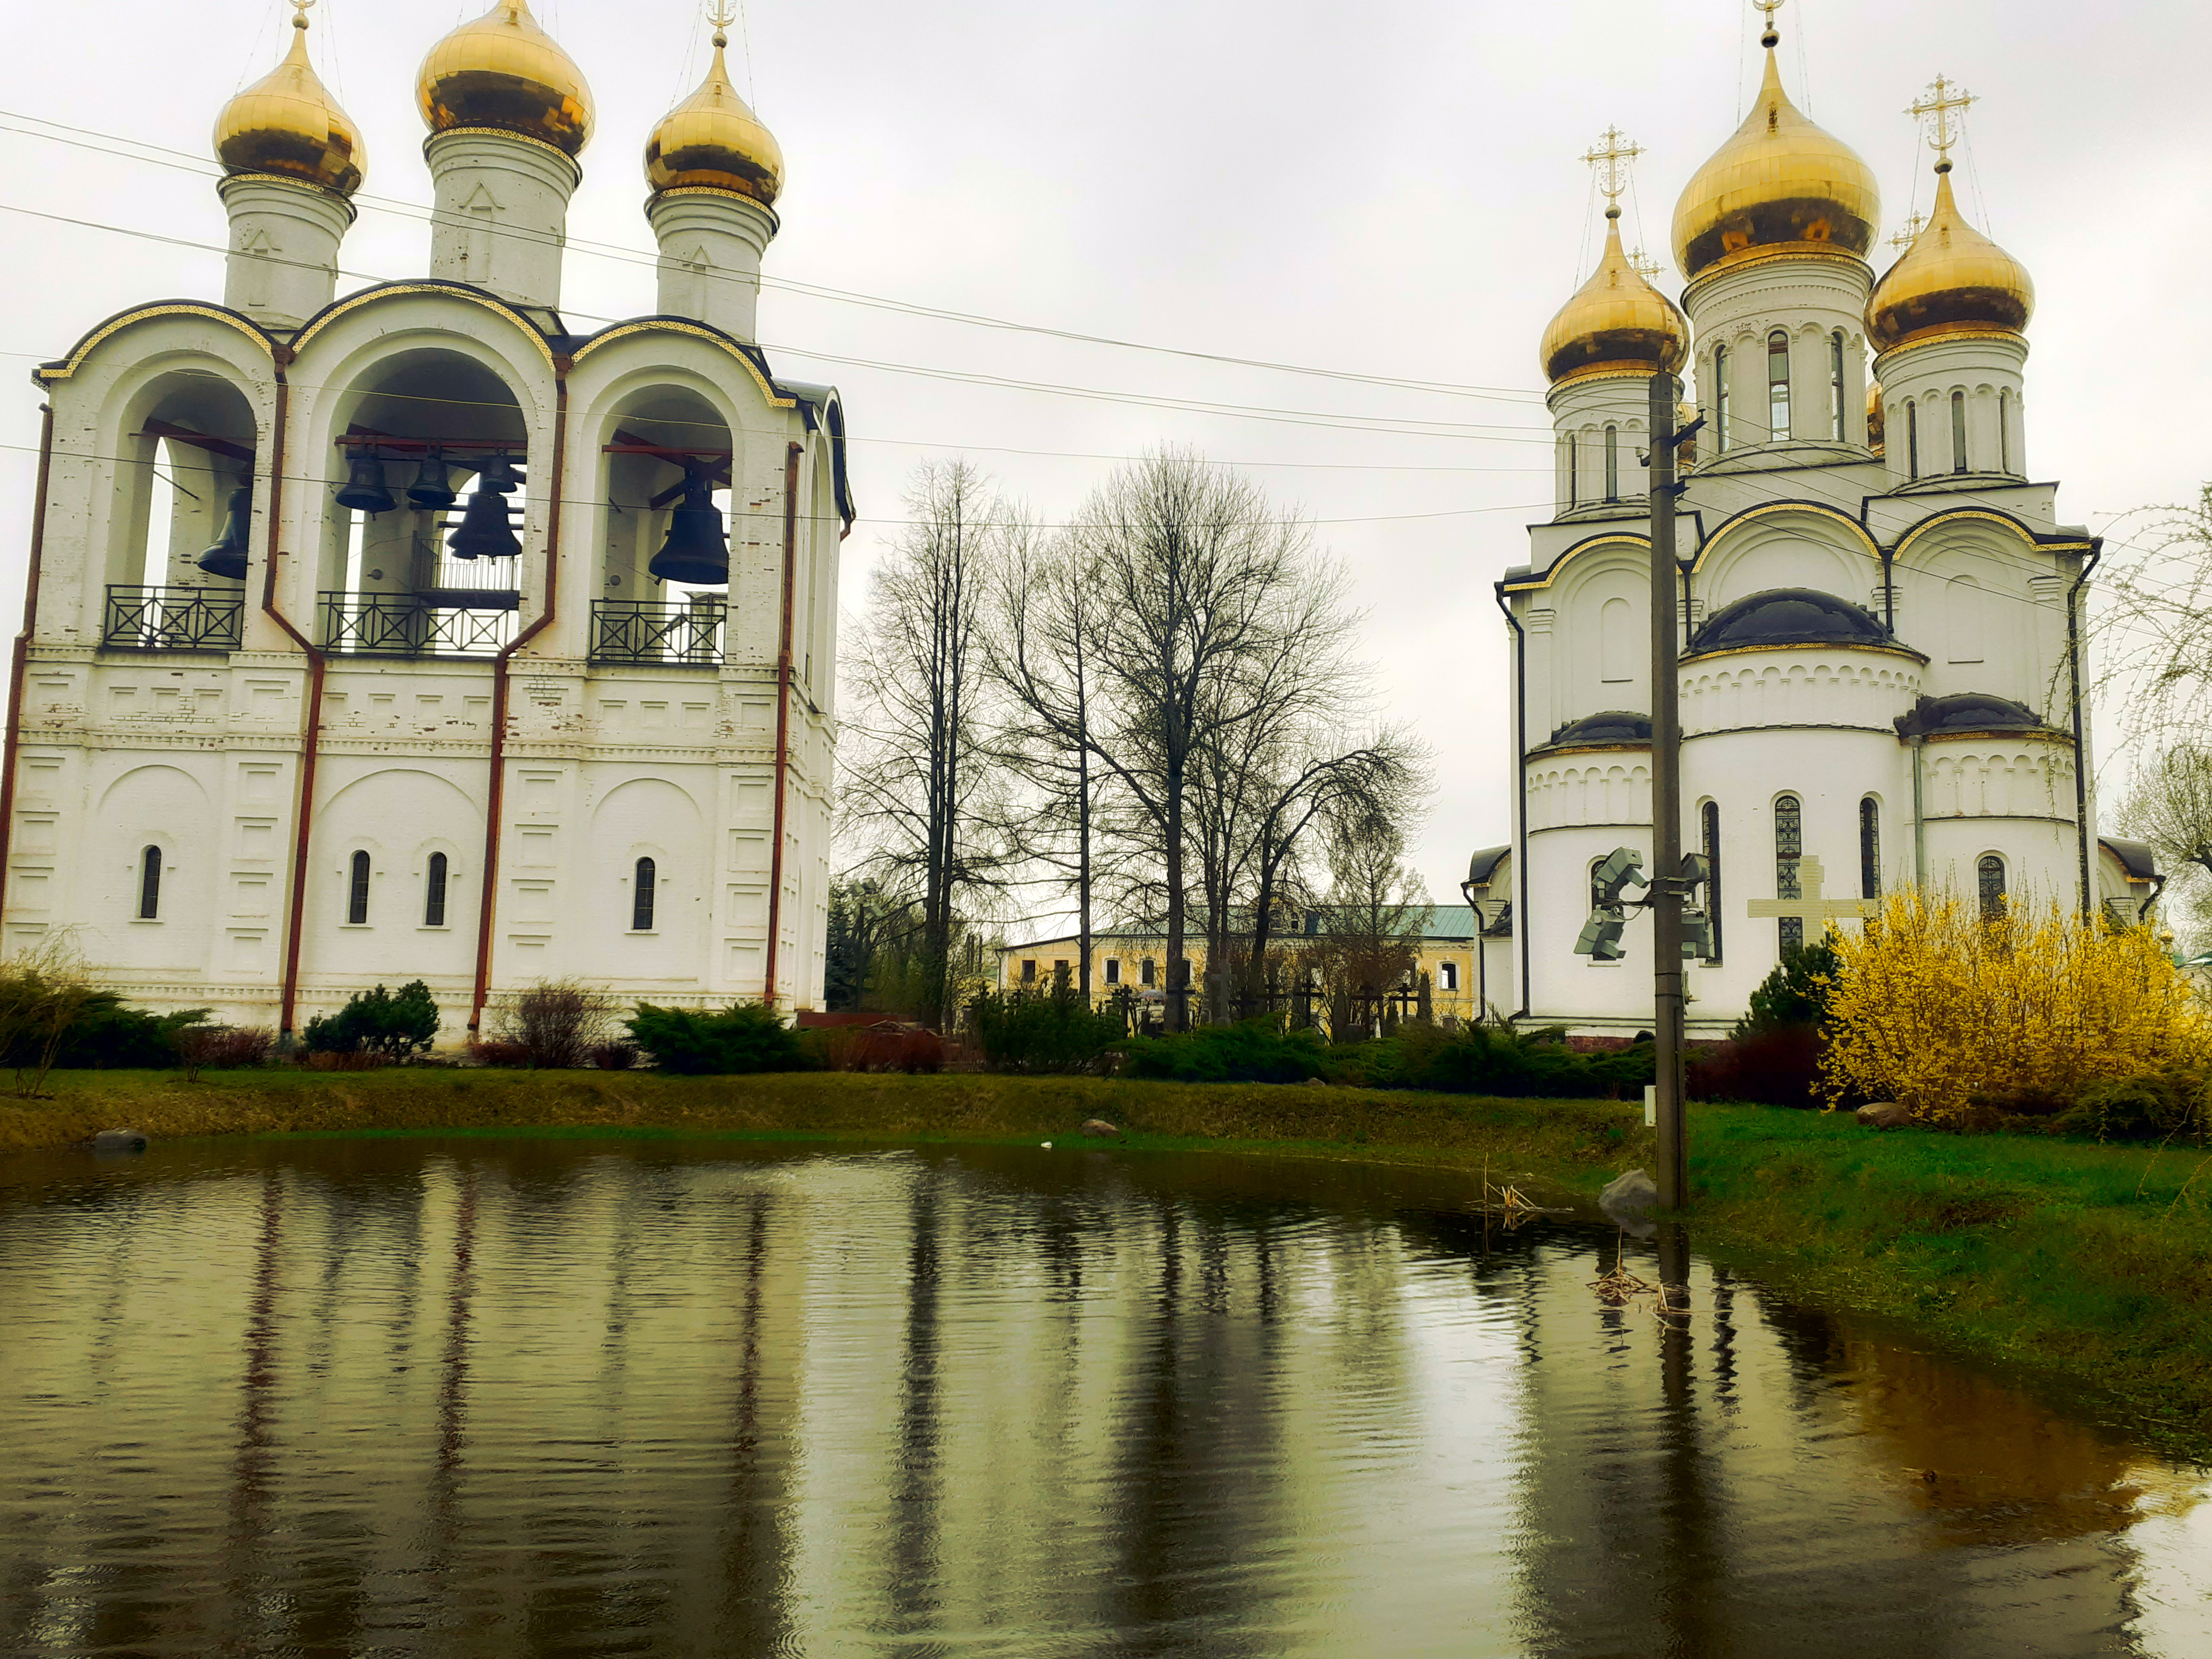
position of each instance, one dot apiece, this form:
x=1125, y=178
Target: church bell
x=227, y=558
x=484, y=532
x=364, y=488
x=430, y=489
x=697, y=549
x=499, y=477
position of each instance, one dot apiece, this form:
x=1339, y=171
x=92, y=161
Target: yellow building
x=1139, y=961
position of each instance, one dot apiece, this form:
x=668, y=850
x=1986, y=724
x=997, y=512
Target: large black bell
x=364, y=489
x=227, y=558
x=430, y=489
x=697, y=549
x=483, y=532
x=499, y=475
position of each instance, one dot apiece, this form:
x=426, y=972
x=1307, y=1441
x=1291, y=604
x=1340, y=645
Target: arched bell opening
x=664, y=583
x=180, y=525
x=423, y=531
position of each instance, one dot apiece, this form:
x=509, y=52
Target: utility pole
x=1667, y=884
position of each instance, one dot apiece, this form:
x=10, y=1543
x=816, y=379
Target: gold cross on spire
x=1937, y=111
x=1909, y=232
x=300, y=12
x=722, y=15
x=1643, y=265
x=1611, y=159
x=1770, y=7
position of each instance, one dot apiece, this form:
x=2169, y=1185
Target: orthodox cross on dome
x=1610, y=156
x=300, y=12
x=1938, y=112
x=721, y=15
x=1812, y=907
x=1909, y=232
x=1643, y=265
x=1769, y=35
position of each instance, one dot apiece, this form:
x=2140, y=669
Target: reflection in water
x=525, y=1397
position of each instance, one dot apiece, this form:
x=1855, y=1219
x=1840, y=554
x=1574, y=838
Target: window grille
x=1778, y=386
x=1788, y=848
x=1991, y=874
x=642, y=897
x=1712, y=828
x=1957, y=431
x=1869, y=848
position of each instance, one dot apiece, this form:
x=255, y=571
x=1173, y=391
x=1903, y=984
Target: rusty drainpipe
x=495, y=799
x=782, y=711
x=311, y=719
x=22, y=657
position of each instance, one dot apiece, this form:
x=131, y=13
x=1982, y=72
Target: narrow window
x=1836, y=411
x=1029, y=972
x=1991, y=871
x=434, y=893
x=1957, y=431
x=1569, y=449
x=150, y=885
x=1788, y=848
x=1613, y=463
x=640, y=898
x=1721, y=437
x=1912, y=439
x=1712, y=827
x=2004, y=430
x=1869, y=850
x=1778, y=386
x=357, y=891
x=1148, y=971
x=1450, y=970
x=1113, y=971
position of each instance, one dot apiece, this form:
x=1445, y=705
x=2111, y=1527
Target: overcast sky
x=1389, y=191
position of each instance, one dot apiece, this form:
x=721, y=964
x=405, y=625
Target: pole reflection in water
x=525, y=1397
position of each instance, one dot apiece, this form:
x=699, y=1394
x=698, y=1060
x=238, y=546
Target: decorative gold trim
x=1744, y=259
x=453, y=291
x=1937, y=333
x=1619, y=369
x=432, y=137
x=258, y=177
x=1549, y=751
x=775, y=222
x=1985, y=516
x=1872, y=548
x=2002, y=734
x=1904, y=651
x=49, y=373
x=671, y=325
x=1579, y=547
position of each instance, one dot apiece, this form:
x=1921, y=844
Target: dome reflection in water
x=536, y=1396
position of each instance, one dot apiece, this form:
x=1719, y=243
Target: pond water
x=525, y=1396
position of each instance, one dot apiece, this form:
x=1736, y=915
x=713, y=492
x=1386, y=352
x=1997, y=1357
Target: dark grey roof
x=1613, y=726
x=2138, y=858
x=1969, y=711
x=1789, y=616
x=1484, y=865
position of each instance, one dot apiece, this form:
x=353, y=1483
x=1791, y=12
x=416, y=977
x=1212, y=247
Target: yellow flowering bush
x=1932, y=1003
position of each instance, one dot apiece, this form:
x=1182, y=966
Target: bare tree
x=915, y=784
x=2170, y=806
x=1204, y=579
x=1377, y=915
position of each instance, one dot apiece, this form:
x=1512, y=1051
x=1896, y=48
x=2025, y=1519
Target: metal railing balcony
x=405, y=625
x=173, y=619
x=653, y=634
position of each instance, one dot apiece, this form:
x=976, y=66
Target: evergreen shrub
x=378, y=1022
x=1493, y=1060
x=109, y=1035
x=744, y=1037
x=1251, y=1051
x=1052, y=1033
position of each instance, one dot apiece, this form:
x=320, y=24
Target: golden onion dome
x=1614, y=321
x=1952, y=278
x=287, y=123
x=502, y=70
x=713, y=139
x=1779, y=182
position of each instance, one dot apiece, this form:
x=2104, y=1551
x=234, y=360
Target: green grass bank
x=2088, y=1265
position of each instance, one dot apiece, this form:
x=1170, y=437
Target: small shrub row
x=1054, y=1033
x=730, y=1042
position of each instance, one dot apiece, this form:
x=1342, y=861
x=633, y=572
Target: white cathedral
x=413, y=634
x=1882, y=633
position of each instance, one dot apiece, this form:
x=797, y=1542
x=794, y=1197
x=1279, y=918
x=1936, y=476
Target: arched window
x=1712, y=828
x=1788, y=848
x=1869, y=848
x=1613, y=463
x=434, y=893
x=357, y=891
x=150, y=885
x=1778, y=386
x=1957, y=431
x=1991, y=874
x=1567, y=468
x=1720, y=399
x=1836, y=409
x=2004, y=430
x=640, y=898
x=1912, y=439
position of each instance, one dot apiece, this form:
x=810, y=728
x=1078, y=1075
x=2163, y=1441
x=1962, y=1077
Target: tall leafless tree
x=916, y=783
x=1377, y=915
x=1204, y=579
